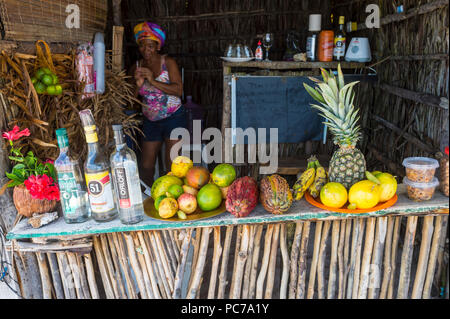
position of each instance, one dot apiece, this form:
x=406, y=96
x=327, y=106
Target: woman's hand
x=146, y=73
x=139, y=78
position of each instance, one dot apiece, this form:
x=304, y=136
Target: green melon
x=209, y=197
x=162, y=184
x=223, y=175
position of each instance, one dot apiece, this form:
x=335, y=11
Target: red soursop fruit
x=242, y=196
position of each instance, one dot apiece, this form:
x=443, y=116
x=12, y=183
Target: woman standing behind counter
x=158, y=82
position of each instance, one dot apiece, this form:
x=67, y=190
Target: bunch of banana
x=319, y=180
x=305, y=180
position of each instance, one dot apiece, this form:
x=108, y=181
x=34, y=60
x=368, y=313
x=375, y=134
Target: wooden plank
x=423, y=98
x=286, y=65
x=407, y=254
x=299, y=211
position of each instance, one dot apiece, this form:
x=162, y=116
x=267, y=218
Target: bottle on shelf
x=259, y=52
x=326, y=45
x=339, y=41
x=71, y=183
x=125, y=173
x=97, y=172
x=314, y=27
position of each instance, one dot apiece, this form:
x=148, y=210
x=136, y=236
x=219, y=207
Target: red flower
x=16, y=133
x=42, y=187
x=446, y=150
x=49, y=161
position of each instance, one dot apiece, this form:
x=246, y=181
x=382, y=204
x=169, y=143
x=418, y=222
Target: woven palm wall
x=199, y=31
x=406, y=112
x=32, y=20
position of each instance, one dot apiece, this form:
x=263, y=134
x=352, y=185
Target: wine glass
x=267, y=43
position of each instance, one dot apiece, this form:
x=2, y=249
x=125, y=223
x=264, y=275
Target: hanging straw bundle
x=43, y=114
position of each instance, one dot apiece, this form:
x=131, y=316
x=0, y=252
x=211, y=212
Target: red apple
x=187, y=203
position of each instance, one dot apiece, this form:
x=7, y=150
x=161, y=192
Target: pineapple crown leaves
x=336, y=106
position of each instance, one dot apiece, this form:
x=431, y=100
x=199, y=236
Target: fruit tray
x=151, y=212
x=316, y=202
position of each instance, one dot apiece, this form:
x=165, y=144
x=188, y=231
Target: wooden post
x=408, y=248
x=387, y=258
x=427, y=233
x=183, y=257
x=248, y=263
x=215, y=263
x=91, y=276
x=315, y=258
x=255, y=261
x=240, y=264
x=431, y=267
x=195, y=285
x=135, y=265
x=333, y=260
x=396, y=236
x=117, y=48
x=224, y=266
x=294, y=260
x=45, y=277
x=285, y=258
x=301, y=282
x=321, y=262
x=265, y=262
x=375, y=274
x=365, y=266
x=272, y=262
x=56, y=276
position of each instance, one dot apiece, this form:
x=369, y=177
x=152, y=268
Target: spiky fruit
x=347, y=165
x=242, y=196
x=275, y=194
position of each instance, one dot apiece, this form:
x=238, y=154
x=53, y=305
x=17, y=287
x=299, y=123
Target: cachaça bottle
x=71, y=183
x=97, y=172
x=339, y=41
x=127, y=186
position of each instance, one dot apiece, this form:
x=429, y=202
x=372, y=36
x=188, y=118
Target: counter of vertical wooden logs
x=399, y=252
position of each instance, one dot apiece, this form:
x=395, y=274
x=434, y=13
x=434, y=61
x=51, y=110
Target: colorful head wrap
x=151, y=31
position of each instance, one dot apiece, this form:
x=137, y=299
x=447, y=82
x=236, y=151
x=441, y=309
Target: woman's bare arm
x=175, y=87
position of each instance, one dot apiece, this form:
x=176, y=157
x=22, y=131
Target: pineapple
x=347, y=165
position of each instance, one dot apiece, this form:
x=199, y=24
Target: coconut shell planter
x=26, y=205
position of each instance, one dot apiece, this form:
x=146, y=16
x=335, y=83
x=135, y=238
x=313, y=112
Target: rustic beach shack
x=396, y=252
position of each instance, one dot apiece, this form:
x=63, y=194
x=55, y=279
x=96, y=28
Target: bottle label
x=258, y=53
x=339, y=47
x=69, y=192
x=310, y=48
x=123, y=191
x=100, y=192
x=91, y=134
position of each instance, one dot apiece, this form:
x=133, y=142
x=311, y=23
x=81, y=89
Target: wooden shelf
x=300, y=210
x=287, y=65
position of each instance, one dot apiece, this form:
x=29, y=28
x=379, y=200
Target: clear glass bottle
x=72, y=187
x=124, y=169
x=97, y=172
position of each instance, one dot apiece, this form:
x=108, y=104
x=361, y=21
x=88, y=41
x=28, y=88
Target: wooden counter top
x=300, y=210
x=286, y=65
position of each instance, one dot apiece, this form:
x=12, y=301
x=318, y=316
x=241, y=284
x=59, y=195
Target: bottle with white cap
x=314, y=28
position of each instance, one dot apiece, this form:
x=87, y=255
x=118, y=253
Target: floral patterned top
x=159, y=105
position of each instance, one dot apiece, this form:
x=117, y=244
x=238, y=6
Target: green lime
x=176, y=190
x=40, y=87
x=34, y=80
x=55, y=79
x=39, y=74
x=159, y=200
x=51, y=90
x=47, y=71
x=47, y=79
x=58, y=89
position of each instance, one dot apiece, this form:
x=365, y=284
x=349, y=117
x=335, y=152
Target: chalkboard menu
x=276, y=102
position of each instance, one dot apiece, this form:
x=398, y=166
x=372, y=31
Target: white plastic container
x=419, y=192
x=420, y=169
x=99, y=63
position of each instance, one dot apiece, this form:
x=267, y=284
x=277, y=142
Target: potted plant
x=35, y=189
